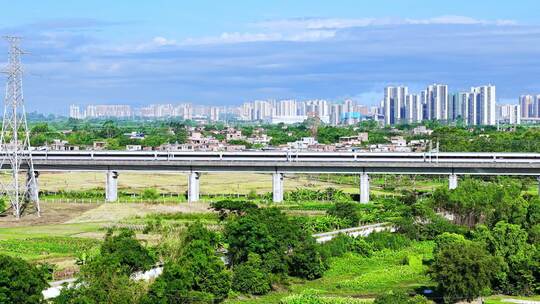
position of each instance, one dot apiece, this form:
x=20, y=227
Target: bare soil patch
x=51, y=213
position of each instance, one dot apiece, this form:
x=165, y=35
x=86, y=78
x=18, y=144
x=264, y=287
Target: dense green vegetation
x=46, y=247
x=21, y=282
x=488, y=139
x=477, y=240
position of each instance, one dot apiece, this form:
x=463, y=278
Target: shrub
x=150, y=194
x=342, y=244
x=400, y=297
x=309, y=298
x=250, y=278
x=317, y=224
x=447, y=239
x=252, y=194
x=534, y=234
x=387, y=240
x=197, y=275
x=306, y=261
x=102, y=280
x=346, y=211
x=236, y=207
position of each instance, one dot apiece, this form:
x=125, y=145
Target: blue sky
x=228, y=52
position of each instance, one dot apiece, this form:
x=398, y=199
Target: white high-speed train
x=288, y=156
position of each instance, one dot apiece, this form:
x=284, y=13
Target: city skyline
x=475, y=107
x=82, y=52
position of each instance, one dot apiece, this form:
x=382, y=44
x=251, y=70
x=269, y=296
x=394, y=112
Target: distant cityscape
x=478, y=106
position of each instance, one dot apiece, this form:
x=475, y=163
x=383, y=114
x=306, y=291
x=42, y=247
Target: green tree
x=21, y=282
x=509, y=242
x=464, y=271
x=266, y=232
x=126, y=251
x=109, y=129
x=306, y=261
x=102, y=280
x=154, y=140
x=249, y=277
x=476, y=201
x=180, y=132
x=197, y=275
x=280, y=242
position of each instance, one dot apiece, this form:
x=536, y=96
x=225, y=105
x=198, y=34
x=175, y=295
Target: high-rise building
x=470, y=108
x=262, y=110
x=97, y=111
x=318, y=108
x=526, y=102
x=336, y=112
x=394, y=101
x=75, y=112
x=413, y=108
x=437, y=102
x=486, y=104
x=214, y=114
x=301, y=108
x=536, y=106
x=286, y=108
x=184, y=110
x=509, y=113
x=455, y=107
x=247, y=111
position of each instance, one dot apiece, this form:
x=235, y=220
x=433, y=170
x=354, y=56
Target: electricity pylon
x=16, y=157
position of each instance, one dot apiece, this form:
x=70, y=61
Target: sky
x=228, y=52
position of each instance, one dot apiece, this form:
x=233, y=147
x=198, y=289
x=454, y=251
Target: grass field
x=64, y=230
x=211, y=183
x=359, y=277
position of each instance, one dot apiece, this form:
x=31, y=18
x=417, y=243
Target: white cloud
x=234, y=37
x=162, y=41
x=316, y=29
x=315, y=23
x=295, y=30
x=341, y=23
x=451, y=19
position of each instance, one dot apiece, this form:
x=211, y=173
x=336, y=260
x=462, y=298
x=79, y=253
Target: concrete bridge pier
x=193, y=186
x=364, y=188
x=277, y=187
x=452, y=181
x=111, y=186
x=33, y=187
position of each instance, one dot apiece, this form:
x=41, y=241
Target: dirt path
x=52, y=213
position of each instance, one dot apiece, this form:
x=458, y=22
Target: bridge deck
x=288, y=162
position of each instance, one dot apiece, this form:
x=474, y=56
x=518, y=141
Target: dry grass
x=114, y=212
x=51, y=213
x=211, y=183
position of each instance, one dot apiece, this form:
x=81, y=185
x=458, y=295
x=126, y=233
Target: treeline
x=488, y=139
x=490, y=244
x=113, y=133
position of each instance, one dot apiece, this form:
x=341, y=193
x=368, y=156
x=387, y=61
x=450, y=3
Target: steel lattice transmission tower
x=16, y=157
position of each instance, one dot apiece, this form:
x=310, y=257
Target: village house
x=354, y=140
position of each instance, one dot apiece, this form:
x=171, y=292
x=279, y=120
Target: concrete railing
x=354, y=232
